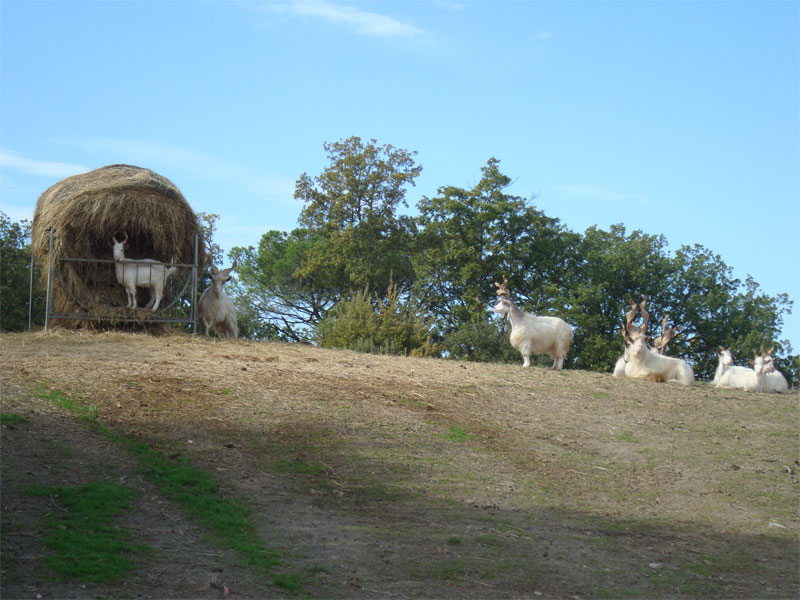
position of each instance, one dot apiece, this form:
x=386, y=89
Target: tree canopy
x=15, y=265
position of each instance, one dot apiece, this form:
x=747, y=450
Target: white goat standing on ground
x=761, y=378
x=215, y=309
x=147, y=273
x=531, y=334
x=640, y=362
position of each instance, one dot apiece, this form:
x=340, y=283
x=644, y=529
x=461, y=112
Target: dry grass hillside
x=383, y=476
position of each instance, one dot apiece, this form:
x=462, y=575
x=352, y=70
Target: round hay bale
x=85, y=211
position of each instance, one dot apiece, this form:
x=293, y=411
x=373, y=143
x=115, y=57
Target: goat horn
x=503, y=288
x=645, y=315
x=631, y=314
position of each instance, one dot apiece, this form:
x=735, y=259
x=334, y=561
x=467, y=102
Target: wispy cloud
x=39, y=167
x=603, y=194
x=198, y=165
x=361, y=21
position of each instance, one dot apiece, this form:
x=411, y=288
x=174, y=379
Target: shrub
x=365, y=323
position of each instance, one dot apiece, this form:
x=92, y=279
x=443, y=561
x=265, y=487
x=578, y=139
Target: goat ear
x=229, y=278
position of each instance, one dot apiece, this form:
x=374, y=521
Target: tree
x=208, y=224
x=614, y=267
x=274, y=298
x=15, y=265
x=470, y=238
x=353, y=205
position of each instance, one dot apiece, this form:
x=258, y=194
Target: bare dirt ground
x=397, y=477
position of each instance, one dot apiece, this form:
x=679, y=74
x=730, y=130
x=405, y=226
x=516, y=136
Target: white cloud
x=196, y=164
x=40, y=167
x=363, y=22
x=598, y=193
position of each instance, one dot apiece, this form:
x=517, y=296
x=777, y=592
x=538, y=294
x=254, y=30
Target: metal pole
x=30, y=295
x=193, y=311
x=50, y=277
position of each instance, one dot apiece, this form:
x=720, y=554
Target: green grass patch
x=73, y=404
x=12, y=419
x=459, y=434
x=446, y=570
x=299, y=466
x=197, y=492
x=84, y=543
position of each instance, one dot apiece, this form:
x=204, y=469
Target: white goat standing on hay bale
x=640, y=362
x=215, y=309
x=761, y=378
x=531, y=334
x=147, y=273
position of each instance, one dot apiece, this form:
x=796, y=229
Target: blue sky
x=676, y=118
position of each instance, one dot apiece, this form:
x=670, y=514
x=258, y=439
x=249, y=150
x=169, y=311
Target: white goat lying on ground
x=531, y=334
x=726, y=364
x=147, y=273
x=761, y=378
x=640, y=362
x=215, y=309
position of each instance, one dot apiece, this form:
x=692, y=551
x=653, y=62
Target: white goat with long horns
x=640, y=362
x=531, y=334
x=215, y=309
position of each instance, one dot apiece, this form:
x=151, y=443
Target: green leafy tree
x=615, y=267
x=274, y=297
x=469, y=238
x=208, y=225
x=353, y=205
x=693, y=286
x=15, y=265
